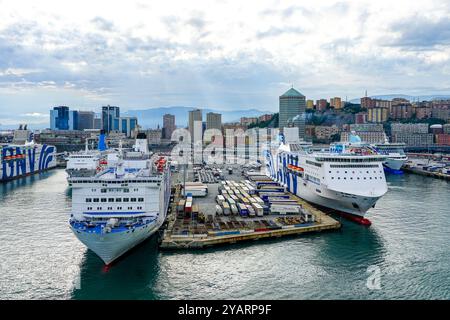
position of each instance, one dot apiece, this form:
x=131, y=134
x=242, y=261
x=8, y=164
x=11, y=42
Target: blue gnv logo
x=17, y=161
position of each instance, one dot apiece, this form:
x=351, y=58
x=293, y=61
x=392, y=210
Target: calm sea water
x=406, y=251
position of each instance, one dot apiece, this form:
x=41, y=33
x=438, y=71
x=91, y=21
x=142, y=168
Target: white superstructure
x=395, y=154
x=349, y=177
x=122, y=205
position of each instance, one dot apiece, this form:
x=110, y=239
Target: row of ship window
x=374, y=171
x=353, y=166
x=114, y=199
x=111, y=208
x=358, y=178
x=115, y=190
x=114, y=182
x=346, y=160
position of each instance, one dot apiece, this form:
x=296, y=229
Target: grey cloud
x=103, y=24
x=420, y=32
x=292, y=10
x=276, y=31
x=197, y=22
x=172, y=23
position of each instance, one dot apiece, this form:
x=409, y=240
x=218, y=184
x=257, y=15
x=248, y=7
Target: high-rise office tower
x=73, y=120
x=168, y=125
x=292, y=111
x=110, y=118
x=59, y=118
x=213, y=121
x=127, y=125
x=85, y=120
x=194, y=115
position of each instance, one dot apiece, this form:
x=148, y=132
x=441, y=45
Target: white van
x=220, y=199
x=234, y=209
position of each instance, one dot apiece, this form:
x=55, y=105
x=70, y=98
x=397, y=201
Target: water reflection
x=131, y=277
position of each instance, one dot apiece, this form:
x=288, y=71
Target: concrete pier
x=187, y=233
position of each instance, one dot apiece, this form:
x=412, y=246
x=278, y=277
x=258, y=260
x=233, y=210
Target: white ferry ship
x=24, y=157
x=395, y=154
x=349, y=177
x=122, y=205
x=88, y=162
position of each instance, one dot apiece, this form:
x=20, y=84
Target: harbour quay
x=429, y=165
x=235, y=206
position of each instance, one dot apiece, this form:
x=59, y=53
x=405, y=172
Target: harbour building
x=336, y=103
x=292, y=111
x=377, y=114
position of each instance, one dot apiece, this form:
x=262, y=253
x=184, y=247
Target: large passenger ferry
x=24, y=157
x=348, y=177
x=123, y=204
x=395, y=154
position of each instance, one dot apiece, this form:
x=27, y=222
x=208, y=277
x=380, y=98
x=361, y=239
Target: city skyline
x=137, y=56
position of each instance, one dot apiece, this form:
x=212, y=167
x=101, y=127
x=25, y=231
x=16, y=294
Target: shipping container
x=251, y=211
x=199, y=192
x=259, y=210
x=188, y=207
x=258, y=199
x=266, y=183
x=283, y=209
x=243, y=210
x=180, y=206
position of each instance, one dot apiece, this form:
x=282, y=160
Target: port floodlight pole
x=184, y=179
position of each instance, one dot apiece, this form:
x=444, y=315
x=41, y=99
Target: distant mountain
x=151, y=118
x=404, y=96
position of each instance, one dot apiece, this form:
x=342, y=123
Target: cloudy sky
x=217, y=54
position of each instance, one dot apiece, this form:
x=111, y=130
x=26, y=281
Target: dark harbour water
x=406, y=248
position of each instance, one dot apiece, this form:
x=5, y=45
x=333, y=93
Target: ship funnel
x=141, y=143
x=102, y=141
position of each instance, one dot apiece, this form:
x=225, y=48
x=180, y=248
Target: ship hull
x=355, y=205
x=394, y=164
x=19, y=161
x=110, y=246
